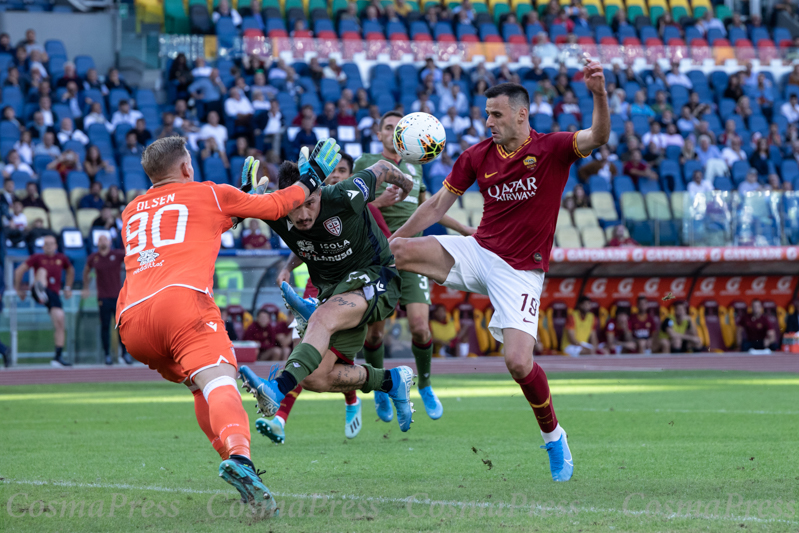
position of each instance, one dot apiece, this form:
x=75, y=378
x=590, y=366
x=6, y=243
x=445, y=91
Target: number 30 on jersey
x=136, y=229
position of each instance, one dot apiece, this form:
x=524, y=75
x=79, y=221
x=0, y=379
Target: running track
x=779, y=362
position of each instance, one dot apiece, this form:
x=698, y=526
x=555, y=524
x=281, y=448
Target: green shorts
x=415, y=289
x=382, y=287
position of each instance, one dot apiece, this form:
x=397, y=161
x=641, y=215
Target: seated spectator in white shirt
x=708, y=22
x=750, y=184
x=334, y=72
x=543, y=48
x=672, y=137
x=201, y=69
x=699, y=185
x=733, y=153
x=125, y=115
x=454, y=122
x=46, y=110
x=540, y=106
x=238, y=105
x=47, y=146
x=213, y=129
x=790, y=109
x=15, y=164
x=69, y=133
x=478, y=122
x=259, y=102
x=455, y=98
x=223, y=9
x=675, y=77
x=24, y=146
x=655, y=136
x=471, y=136
x=259, y=84
x=96, y=116
x=422, y=99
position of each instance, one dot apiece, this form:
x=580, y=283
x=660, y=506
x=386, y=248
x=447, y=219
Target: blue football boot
x=402, y=378
x=265, y=391
x=354, y=420
x=560, y=459
x=248, y=482
x=274, y=429
x=302, y=309
x=431, y=403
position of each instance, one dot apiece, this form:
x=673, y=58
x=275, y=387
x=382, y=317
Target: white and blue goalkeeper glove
x=317, y=166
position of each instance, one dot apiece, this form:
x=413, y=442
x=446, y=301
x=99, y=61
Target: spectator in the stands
x=790, y=109
x=93, y=200
x=455, y=98
x=618, y=337
x=96, y=116
x=448, y=340
x=640, y=107
x=546, y=89
x=561, y=85
x=33, y=198
x=69, y=133
x=93, y=163
x=69, y=75
x=580, y=198
x=536, y=73
x=755, y=331
x=167, y=128
x=620, y=237
x=213, y=129
x=568, y=105
x=92, y=81
x=306, y=136
x=654, y=135
x=71, y=99
x=115, y=199
x=619, y=105
x=793, y=78
x=212, y=150
x=579, y=334
x=333, y=71
x=734, y=91
x=132, y=146
x=636, y=168
x=67, y=162
x=201, y=69
x=698, y=184
x=697, y=107
x=109, y=221
x=733, y=153
x=113, y=81
x=729, y=133
x=253, y=238
x=543, y=48
x=477, y=121
x=431, y=68
x=24, y=147
x=223, y=9
x=642, y=325
x=29, y=42
x=707, y=151
x=143, y=135
x=47, y=146
x=675, y=77
x=539, y=105
x=5, y=44
x=665, y=21
x=465, y=9
x=751, y=183
x=16, y=224
x=441, y=167
x=7, y=196
x=15, y=164
x=422, y=99
x=600, y=164
x=46, y=111
x=125, y=115
x=709, y=22
x=764, y=96
x=209, y=91
x=760, y=160
x=774, y=183
x=661, y=104
x=329, y=118
x=687, y=122
x=471, y=136
x=262, y=331
x=455, y=122
x=239, y=109
x=13, y=79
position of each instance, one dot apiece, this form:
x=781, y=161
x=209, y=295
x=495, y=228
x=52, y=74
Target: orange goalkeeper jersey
x=172, y=234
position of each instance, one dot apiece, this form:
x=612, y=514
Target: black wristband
x=309, y=182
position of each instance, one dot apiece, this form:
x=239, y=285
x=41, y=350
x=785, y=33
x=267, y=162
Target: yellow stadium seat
x=472, y=201
x=75, y=195
x=461, y=216
x=593, y=237
x=604, y=206
x=85, y=219
x=585, y=217
x=678, y=204
x=36, y=213
x=640, y=3
x=564, y=219
x=609, y=232
x=632, y=206
x=660, y=3
x=568, y=237
x=618, y=3
x=728, y=326
x=55, y=199
x=60, y=219
x=657, y=205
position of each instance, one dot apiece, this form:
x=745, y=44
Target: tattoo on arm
x=385, y=171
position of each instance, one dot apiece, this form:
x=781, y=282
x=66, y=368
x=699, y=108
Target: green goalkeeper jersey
x=396, y=215
x=345, y=238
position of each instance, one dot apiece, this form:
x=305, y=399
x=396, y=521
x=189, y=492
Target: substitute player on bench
x=166, y=314
x=521, y=174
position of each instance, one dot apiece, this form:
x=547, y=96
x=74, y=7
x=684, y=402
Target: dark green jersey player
x=415, y=296
x=349, y=261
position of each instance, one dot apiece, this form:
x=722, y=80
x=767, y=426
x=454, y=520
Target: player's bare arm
x=430, y=212
x=285, y=273
x=386, y=172
x=599, y=132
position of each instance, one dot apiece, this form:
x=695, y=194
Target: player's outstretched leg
x=240, y=472
x=373, y=354
x=275, y=429
x=353, y=420
x=302, y=309
x=265, y=391
x=423, y=354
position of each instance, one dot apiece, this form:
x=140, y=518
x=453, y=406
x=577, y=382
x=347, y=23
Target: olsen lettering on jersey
x=155, y=202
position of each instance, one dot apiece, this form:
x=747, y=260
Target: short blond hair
x=161, y=156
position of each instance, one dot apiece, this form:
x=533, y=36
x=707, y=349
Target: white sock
x=553, y=435
x=280, y=419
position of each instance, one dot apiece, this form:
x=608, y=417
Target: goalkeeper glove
x=314, y=168
x=249, y=175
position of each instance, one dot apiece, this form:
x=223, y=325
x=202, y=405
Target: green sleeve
x=360, y=164
x=353, y=193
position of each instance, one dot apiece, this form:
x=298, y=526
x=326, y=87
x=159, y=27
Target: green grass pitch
x=657, y=451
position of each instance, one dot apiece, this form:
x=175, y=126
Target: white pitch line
x=379, y=499
x=667, y=411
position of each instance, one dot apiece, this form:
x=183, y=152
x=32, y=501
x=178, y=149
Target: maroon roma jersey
x=521, y=192
x=109, y=272
x=54, y=266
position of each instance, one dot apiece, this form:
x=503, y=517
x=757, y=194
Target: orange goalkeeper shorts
x=177, y=332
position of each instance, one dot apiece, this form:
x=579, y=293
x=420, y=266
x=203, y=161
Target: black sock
x=58, y=350
x=242, y=459
x=286, y=383
x=388, y=383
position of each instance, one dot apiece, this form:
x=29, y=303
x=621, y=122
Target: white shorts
x=515, y=294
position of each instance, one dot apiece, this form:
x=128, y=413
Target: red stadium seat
x=253, y=32
x=653, y=41
x=278, y=33
x=327, y=34
x=493, y=39
x=303, y=34
x=561, y=39
x=608, y=41
x=676, y=41
x=517, y=39
x=469, y=38
x=423, y=37
x=447, y=38
x=631, y=41
x=585, y=40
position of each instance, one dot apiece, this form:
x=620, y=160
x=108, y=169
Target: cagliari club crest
x=333, y=225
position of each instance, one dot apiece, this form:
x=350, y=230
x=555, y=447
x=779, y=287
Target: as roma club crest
x=333, y=225
x=530, y=162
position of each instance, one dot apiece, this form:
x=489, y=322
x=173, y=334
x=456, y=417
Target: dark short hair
x=517, y=95
x=287, y=175
x=348, y=158
x=389, y=114
x=583, y=299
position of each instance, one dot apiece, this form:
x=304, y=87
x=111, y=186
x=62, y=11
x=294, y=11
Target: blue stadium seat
x=131, y=163
x=214, y=170
x=98, y=133
x=668, y=233
x=83, y=64
x=393, y=28
x=226, y=32
x=76, y=147
x=40, y=163
x=598, y=184
x=726, y=107
x=135, y=180
x=621, y=185
x=723, y=183
x=640, y=124
x=252, y=23
x=789, y=170
x=567, y=119
x=9, y=131
x=323, y=25
x=55, y=48
x=77, y=180
x=673, y=152
x=145, y=98
x=419, y=27
x=236, y=164
x=12, y=96
x=312, y=100
x=542, y=123
x=758, y=123
x=739, y=170
x=107, y=178
x=56, y=66
x=645, y=186
x=690, y=167
x=642, y=232
x=330, y=90
x=21, y=179
x=408, y=79
x=115, y=96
